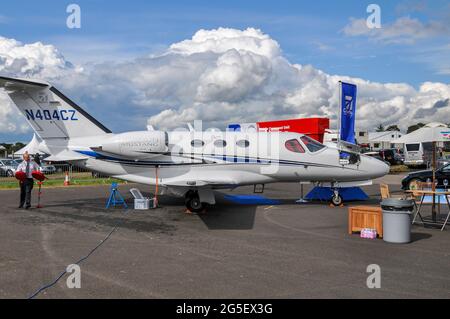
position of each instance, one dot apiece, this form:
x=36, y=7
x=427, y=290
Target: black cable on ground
x=41, y=289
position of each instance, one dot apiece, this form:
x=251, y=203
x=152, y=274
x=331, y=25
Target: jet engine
x=135, y=145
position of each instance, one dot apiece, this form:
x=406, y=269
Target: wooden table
x=422, y=194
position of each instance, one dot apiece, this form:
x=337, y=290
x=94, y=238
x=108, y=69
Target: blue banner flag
x=348, y=111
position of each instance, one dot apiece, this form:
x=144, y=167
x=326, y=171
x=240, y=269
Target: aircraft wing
x=199, y=183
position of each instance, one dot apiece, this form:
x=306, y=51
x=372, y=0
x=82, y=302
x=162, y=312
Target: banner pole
x=339, y=112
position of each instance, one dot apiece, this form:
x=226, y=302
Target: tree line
x=11, y=148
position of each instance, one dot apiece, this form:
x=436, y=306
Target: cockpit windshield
x=312, y=145
x=294, y=146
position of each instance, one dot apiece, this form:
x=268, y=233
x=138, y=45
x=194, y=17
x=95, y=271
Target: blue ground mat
x=438, y=199
x=251, y=200
x=428, y=199
x=347, y=194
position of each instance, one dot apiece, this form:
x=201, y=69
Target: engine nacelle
x=136, y=145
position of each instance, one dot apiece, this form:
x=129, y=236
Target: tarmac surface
x=232, y=251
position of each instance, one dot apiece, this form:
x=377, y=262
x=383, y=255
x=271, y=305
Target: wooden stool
x=360, y=217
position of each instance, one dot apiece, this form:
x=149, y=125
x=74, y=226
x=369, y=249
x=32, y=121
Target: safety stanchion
x=39, y=195
x=155, y=203
x=40, y=178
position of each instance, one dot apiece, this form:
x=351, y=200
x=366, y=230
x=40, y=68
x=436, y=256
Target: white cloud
x=223, y=39
x=26, y=60
x=219, y=76
x=404, y=30
x=35, y=59
x=10, y=119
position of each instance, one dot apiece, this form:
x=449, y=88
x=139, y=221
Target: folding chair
x=384, y=191
x=417, y=196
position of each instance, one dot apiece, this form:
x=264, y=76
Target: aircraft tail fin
x=50, y=113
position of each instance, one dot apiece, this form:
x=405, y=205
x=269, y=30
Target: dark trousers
x=25, y=191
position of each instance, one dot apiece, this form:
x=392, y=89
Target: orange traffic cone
x=67, y=179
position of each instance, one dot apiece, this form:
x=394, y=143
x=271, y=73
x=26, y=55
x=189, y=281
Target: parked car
x=442, y=177
x=443, y=161
x=392, y=155
x=8, y=167
x=47, y=169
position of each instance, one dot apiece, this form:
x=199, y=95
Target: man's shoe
x=20, y=206
x=27, y=207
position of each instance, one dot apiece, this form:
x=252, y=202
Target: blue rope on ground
x=76, y=263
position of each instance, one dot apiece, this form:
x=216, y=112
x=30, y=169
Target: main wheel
x=193, y=202
x=336, y=200
x=10, y=173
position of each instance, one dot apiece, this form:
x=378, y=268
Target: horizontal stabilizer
x=17, y=84
x=66, y=156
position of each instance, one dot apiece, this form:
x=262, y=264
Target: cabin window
x=220, y=143
x=312, y=145
x=294, y=146
x=197, y=143
x=243, y=143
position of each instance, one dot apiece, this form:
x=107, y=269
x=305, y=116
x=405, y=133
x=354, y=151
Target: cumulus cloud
x=35, y=59
x=404, y=30
x=223, y=39
x=26, y=60
x=219, y=76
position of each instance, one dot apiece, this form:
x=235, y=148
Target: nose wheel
x=336, y=199
x=193, y=203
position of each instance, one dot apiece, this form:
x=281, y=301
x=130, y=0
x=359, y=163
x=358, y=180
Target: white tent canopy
x=31, y=148
x=433, y=132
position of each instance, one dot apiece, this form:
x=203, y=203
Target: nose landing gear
x=336, y=199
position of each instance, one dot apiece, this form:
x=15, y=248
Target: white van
x=418, y=154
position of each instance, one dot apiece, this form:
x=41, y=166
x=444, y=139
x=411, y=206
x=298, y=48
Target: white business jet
x=184, y=163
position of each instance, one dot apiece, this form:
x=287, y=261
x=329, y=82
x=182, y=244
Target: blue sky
x=309, y=32
x=412, y=47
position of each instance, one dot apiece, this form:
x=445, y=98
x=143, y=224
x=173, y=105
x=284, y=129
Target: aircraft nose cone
x=379, y=168
x=385, y=168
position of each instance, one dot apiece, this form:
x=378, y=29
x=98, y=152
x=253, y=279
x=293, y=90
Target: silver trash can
x=397, y=220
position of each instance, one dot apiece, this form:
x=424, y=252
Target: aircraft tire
x=336, y=200
x=193, y=203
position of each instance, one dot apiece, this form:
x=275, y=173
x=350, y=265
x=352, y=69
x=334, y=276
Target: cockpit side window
x=312, y=145
x=294, y=146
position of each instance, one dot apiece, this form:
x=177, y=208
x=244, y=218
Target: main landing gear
x=193, y=203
